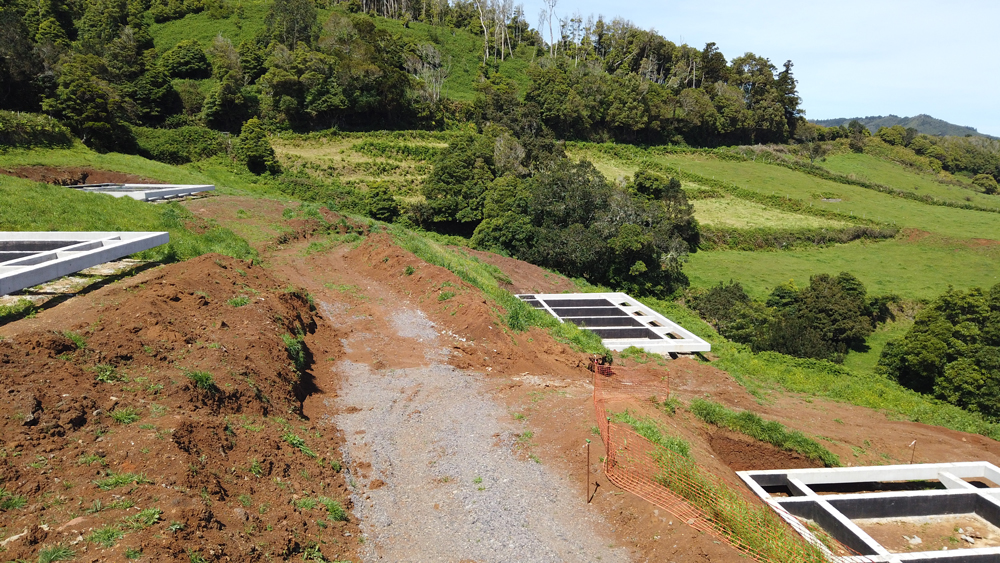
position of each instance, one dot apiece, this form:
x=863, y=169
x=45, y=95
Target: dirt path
x=437, y=467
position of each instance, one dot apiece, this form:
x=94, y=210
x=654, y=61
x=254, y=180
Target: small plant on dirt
x=55, y=553
x=106, y=536
x=195, y=557
x=296, y=442
x=518, y=416
x=202, y=380
x=125, y=415
x=477, y=480
x=142, y=520
x=296, y=352
x=668, y=405
x=334, y=508
x=408, y=271
x=240, y=301
x=336, y=466
x=445, y=295
x=108, y=374
x=312, y=553
x=256, y=468
x=245, y=500
x=133, y=553
x=10, y=501
x=524, y=438
x=306, y=503
x=175, y=527
x=115, y=480
x=76, y=338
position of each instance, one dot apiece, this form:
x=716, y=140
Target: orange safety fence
x=703, y=501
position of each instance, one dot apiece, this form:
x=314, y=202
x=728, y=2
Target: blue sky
x=852, y=57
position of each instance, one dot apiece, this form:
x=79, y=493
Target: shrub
x=986, y=182
x=254, y=150
x=296, y=352
x=186, y=60
x=26, y=130
x=179, y=146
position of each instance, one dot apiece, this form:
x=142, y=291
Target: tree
x=88, y=104
x=186, y=60
x=253, y=149
x=986, y=182
x=292, y=21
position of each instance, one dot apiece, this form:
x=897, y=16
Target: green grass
x=917, y=269
x=864, y=362
x=106, y=536
x=650, y=430
x=114, y=480
x=55, y=553
x=239, y=301
x=297, y=442
x=742, y=214
x=10, y=501
x=857, y=201
x=774, y=433
x=204, y=29
x=18, y=310
x=143, y=519
x=31, y=206
x=873, y=169
x=125, y=415
x=202, y=380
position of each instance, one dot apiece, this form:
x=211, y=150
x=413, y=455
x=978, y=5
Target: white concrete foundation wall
x=149, y=192
x=835, y=512
x=84, y=250
x=673, y=338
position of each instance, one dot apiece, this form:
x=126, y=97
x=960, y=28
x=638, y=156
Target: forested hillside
x=922, y=123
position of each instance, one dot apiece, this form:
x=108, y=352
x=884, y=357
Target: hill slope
x=923, y=123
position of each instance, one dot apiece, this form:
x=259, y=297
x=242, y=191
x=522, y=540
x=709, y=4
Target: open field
x=872, y=169
x=399, y=161
x=853, y=200
x=742, y=214
x=921, y=269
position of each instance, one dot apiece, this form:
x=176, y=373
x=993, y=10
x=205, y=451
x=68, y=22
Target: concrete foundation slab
x=146, y=192
x=891, y=493
x=620, y=321
x=31, y=258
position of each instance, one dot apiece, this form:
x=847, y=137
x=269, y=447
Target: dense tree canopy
x=952, y=351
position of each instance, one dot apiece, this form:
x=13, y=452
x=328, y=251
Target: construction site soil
x=74, y=175
x=246, y=469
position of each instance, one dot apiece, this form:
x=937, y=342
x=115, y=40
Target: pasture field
x=399, y=161
x=912, y=266
x=842, y=198
x=741, y=214
x=866, y=167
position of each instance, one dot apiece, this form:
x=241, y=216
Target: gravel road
x=446, y=481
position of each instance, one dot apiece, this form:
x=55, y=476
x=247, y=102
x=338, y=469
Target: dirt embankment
x=74, y=175
x=161, y=415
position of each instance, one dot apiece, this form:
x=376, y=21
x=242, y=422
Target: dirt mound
x=524, y=277
x=743, y=453
x=74, y=175
x=162, y=415
x=482, y=342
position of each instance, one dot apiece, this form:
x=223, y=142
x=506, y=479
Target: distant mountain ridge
x=922, y=123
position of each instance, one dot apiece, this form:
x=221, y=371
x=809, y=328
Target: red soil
x=74, y=175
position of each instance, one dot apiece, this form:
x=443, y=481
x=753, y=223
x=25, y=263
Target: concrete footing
x=31, y=258
x=620, y=321
x=835, y=498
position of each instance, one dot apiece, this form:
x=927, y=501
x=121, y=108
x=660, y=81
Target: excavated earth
x=444, y=436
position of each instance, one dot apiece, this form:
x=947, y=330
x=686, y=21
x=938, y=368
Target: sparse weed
x=202, y=380
x=239, y=301
x=115, y=480
x=55, y=553
x=334, y=508
x=76, y=338
x=144, y=519
x=125, y=415
x=10, y=501
x=108, y=374
x=296, y=442
x=133, y=553
x=106, y=536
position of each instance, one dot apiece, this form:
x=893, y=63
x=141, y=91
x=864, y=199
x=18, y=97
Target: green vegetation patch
x=738, y=213
x=774, y=433
x=649, y=429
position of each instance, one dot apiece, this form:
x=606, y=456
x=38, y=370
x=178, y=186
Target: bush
x=179, y=146
x=26, y=130
x=254, y=150
x=986, y=182
x=952, y=351
x=186, y=60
